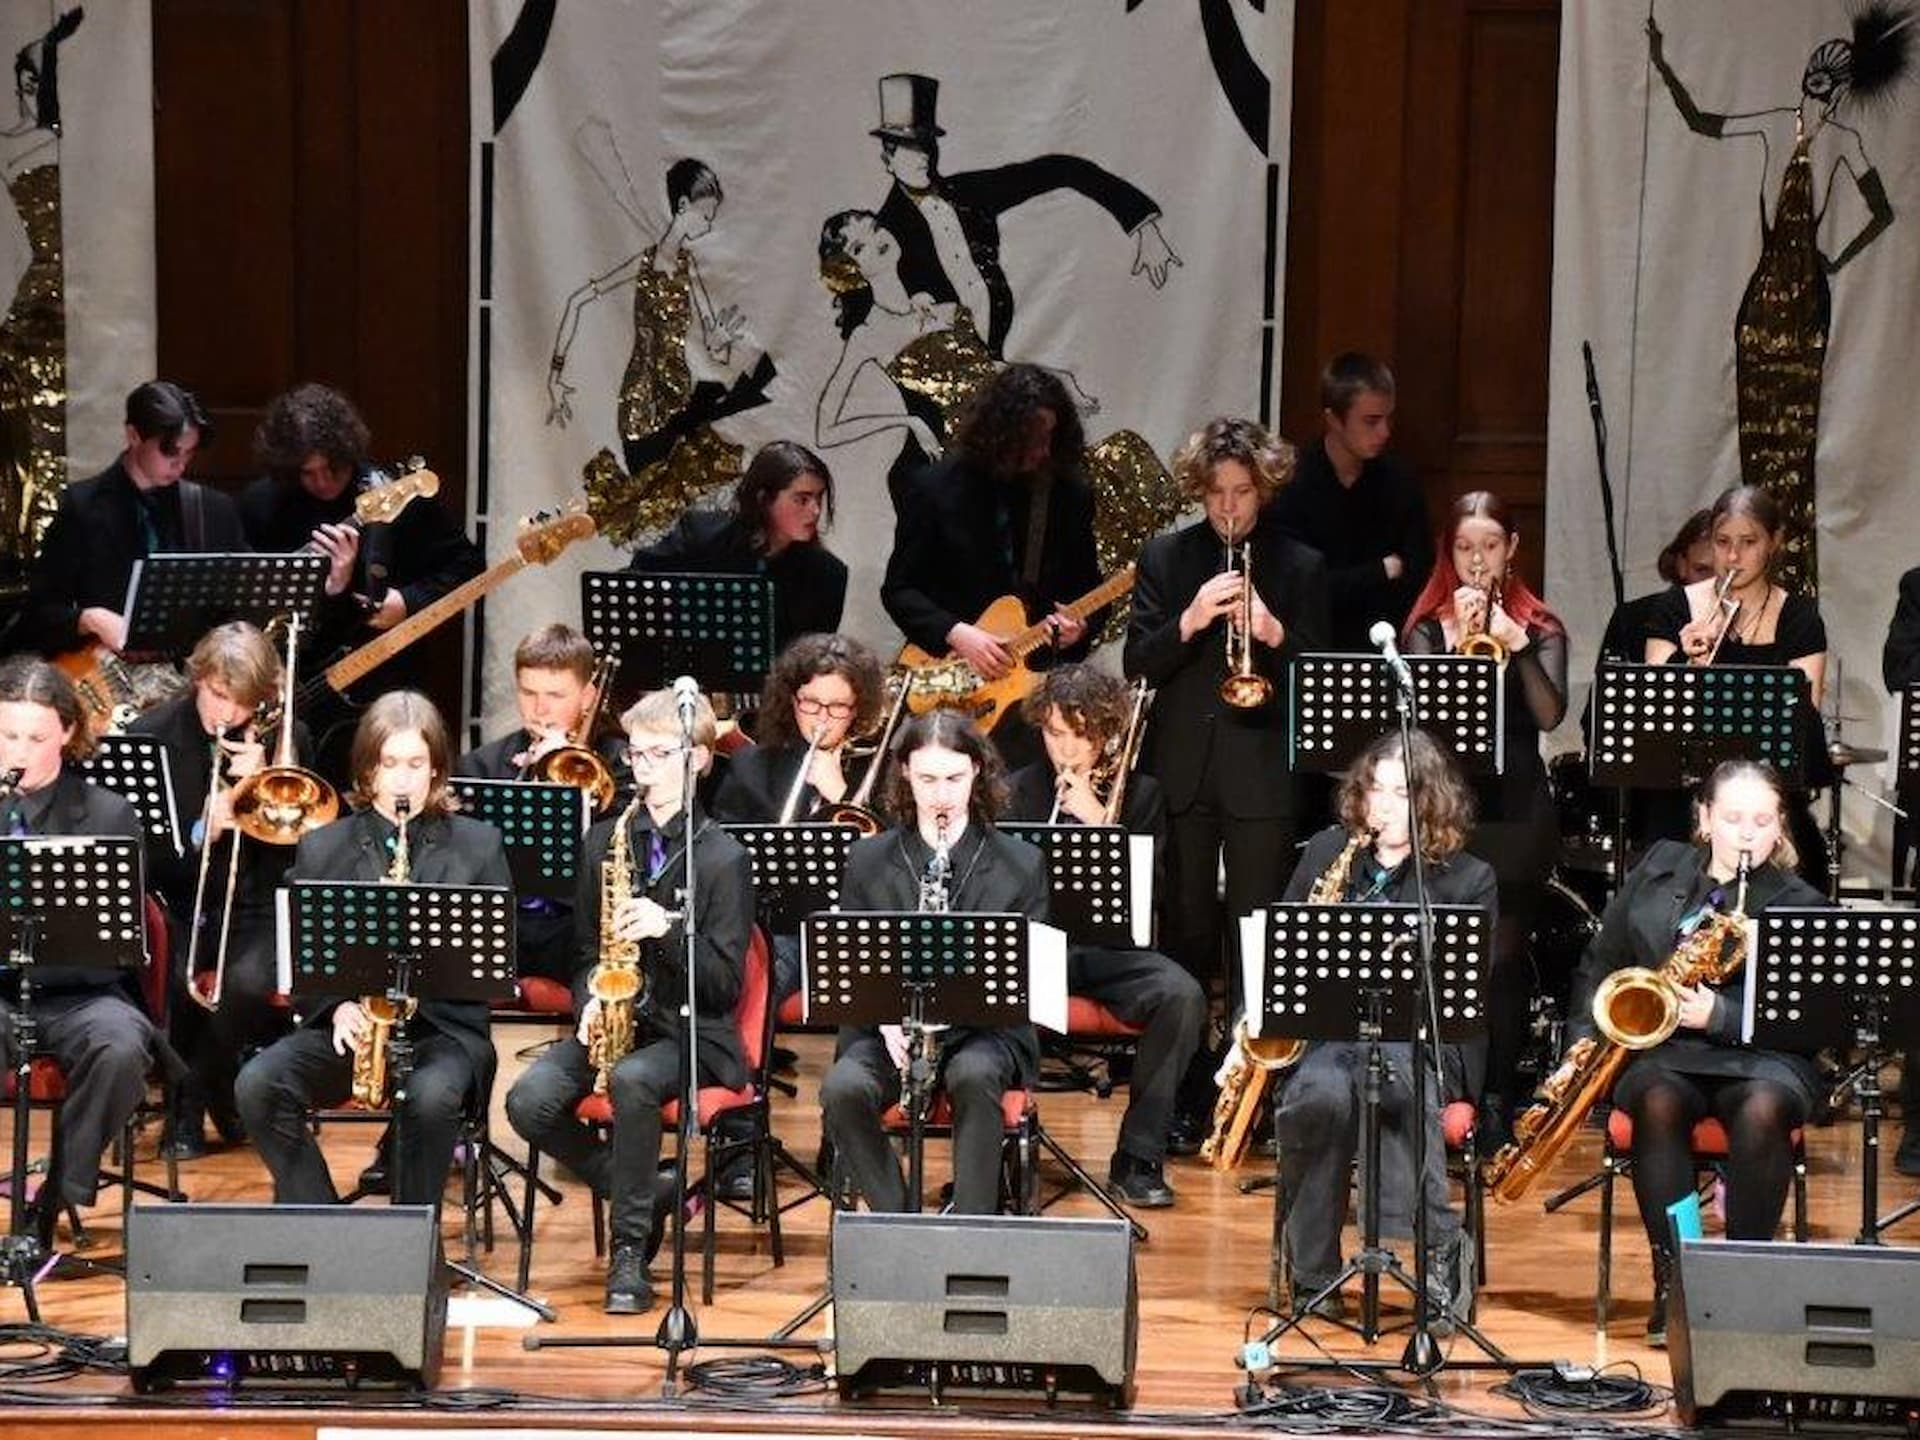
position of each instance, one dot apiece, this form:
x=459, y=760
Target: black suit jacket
x=1462, y=879
x=992, y=873
x=950, y=561
x=809, y=581
x=1190, y=727
x=79, y=807
x=1900, y=658
x=979, y=199
x=442, y=850
x=91, y=544
x=723, y=876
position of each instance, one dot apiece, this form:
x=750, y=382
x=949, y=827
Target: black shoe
x=178, y=1143
x=1332, y=1306
x=1662, y=1283
x=1140, y=1183
x=1906, y=1159
x=227, y=1124
x=735, y=1181
x=375, y=1179
x=1449, y=1285
x=1185, y=1134
x=629, y=1287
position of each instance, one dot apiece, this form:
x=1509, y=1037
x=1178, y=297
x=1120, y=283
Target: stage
x=1200, y=1276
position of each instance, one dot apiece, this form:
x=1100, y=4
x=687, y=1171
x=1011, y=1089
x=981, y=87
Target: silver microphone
x=686, y=694
x=1382, y=637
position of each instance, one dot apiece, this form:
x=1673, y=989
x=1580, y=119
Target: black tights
x=1759, y=1117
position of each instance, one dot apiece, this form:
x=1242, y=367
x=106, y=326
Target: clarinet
x=916, y=1081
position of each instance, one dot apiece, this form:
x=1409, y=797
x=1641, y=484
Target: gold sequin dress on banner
x=33, y=376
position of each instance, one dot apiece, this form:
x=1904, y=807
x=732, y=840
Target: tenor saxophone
x=615, y=980
x=370, y=1054
x=1251, y=1061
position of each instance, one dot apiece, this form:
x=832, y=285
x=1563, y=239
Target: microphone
x=1382, y=637
x=686, y=691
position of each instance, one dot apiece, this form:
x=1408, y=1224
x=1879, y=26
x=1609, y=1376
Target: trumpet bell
x=1485, y=646
x=581, y=768
x=1246, y=690
x=1636, y=1008
x=278, y=805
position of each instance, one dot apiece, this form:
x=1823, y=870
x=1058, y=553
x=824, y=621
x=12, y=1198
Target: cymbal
x=1843, y=754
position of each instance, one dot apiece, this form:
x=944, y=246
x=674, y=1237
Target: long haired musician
x=89, y=1020
x=1703, y=1070
x=400, y=753
x=1367, y=856
x=1196, y=635
x=1086, y=717
x=214, y=742
x=1477, y=601
x=946, y=786
x=629, y=986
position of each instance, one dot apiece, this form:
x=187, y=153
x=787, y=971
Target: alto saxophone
x=1251, y=1061
x=370, y=1055
x=615, y=980
x=1634, y=1008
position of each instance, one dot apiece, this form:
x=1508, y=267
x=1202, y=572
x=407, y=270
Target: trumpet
x=1244, y=688
x=1726, y=610
x=1476, y=639
x=577, y=763
x=280, y=803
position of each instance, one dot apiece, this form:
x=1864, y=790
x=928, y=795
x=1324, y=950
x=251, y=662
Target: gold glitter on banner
x=1134, y=498
x=637, y=509
x=946, y=366
x=33, y=375
x=1780, y=348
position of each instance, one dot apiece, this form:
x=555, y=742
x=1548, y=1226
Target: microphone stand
x=678, y=1330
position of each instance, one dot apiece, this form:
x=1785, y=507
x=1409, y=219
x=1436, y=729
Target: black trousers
x=1145, y=988
x=540, y=1108
x=247, y=1019
x=103, y=1045
x=303, y=1072
x=864, y=1082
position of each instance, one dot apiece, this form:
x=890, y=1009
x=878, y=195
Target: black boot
x=629, y=1286
x=1140, y=1183
x=184, y=1137
x=1662, y=1281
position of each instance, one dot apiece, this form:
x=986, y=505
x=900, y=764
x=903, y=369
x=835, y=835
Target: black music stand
x=540, y=825
x=81, y=897
x=139, y=769
x=1342, y=703
x=1906, y=755
x=174, y=598
x=409, y=942
x=1847, y=979
x=1099, y=881
x=715, y=627
x=797, y=869
x=1351, y=972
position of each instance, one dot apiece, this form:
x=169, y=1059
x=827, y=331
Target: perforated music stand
x=1099, y=881
x=1848, y=980
x=797, y=869
x=1342, y=973
x=717, y=628
x=175, y=598
x=1906, y=755
x=1664, y=727
x=540, y=825
x=81, y=899
x=1342, y=703
x=139, y=769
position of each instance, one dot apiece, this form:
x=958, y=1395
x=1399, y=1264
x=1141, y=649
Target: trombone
x=1726, y=609
x=577, y=763
x=1110, y=773
x=279, y=803
x=857, y=809
x=211, y=1000
x=1244, y=688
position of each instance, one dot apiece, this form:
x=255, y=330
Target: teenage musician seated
x=1083, y=717
x=636, y=863
x=89, y=1021
x=400, y=753
x=947, y=786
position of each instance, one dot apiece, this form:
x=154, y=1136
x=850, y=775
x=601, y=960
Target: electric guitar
x=949, y=682
x=113, y=690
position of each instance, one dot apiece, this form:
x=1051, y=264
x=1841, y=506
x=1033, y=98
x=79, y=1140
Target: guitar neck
x=350, y=668
x=1102, y=595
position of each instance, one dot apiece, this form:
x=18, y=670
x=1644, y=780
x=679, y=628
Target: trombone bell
x=278, y=805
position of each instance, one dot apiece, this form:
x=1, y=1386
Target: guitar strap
x=1038, y=503
x=193, y=516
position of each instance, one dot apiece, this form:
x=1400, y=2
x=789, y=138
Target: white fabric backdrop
x=1653, y=247
x=778, y=99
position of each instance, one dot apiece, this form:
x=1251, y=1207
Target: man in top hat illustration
x=948, y=226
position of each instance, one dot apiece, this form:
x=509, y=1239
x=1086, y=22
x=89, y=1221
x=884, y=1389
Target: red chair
x=753, y=1018
x=1094, y=1035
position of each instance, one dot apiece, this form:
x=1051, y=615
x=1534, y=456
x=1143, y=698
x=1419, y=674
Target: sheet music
x=1047, y=976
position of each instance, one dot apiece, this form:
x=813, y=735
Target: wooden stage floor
x=1202, y=1272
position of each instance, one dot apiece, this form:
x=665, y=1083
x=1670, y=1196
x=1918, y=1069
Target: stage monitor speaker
x=284, y=1296
x=984, y=1304
x=1800, y=1336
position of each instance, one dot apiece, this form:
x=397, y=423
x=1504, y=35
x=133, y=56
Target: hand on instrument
x=981, y=650
x=589, y=1012
x=638, y=918
x=1393, y=565
x=1267, y=628
x=1696, y=1006
x=341, y=545
x=1507, y=630
x=244, y=756
x=1217, y=599
x=1077, y=798
x=351, y=1025
x=391, y=610
x=1470, y=609
x=109, y=627
x=895, y=1037
x=1067, y=627
x=1696, y=638
x=543, y=744
x=826, y=776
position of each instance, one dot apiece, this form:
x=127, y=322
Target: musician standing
x=1760, y=1096
x=90, y=1020
x=1082, y=715
x=947, y=785
x=1900, y=668
x=540, y=1106
x=234, y=670
x=138, y=506
x=1224, y=769
x=400, y=753
x=1476, y=598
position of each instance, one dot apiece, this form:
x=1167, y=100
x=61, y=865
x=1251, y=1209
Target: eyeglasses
x=837, y=709
x=654, y=754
